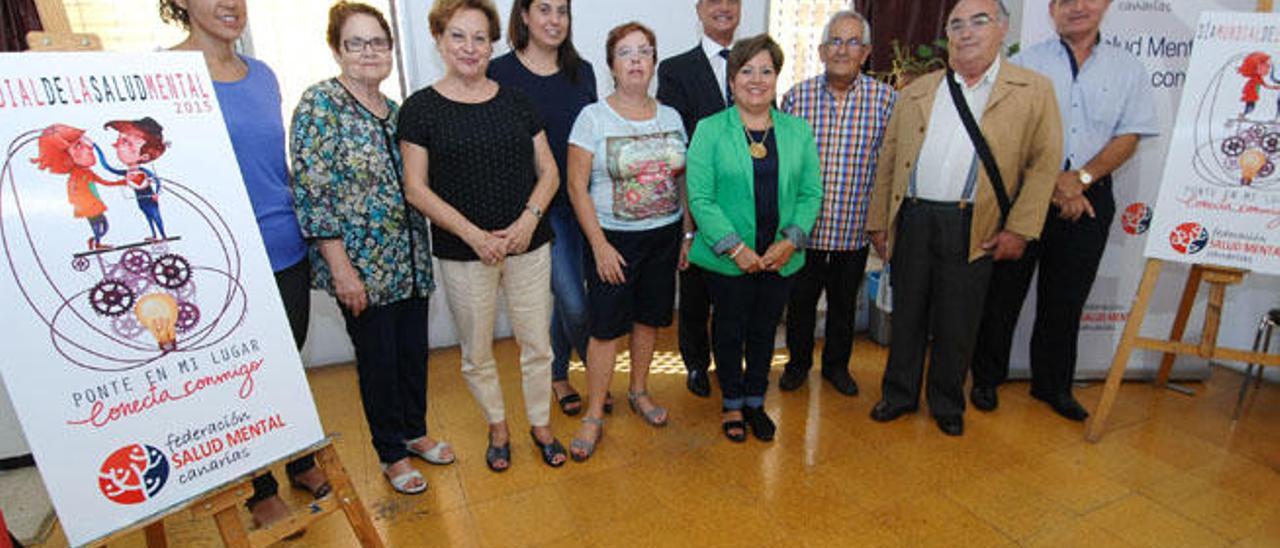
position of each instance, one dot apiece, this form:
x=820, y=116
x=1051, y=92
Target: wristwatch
x=1086, y=178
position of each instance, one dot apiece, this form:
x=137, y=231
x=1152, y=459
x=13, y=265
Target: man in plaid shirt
x=849, y=112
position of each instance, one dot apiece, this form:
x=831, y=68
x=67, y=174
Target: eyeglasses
x=627, y=53
x=357, y=45
x=976, y=23
x=837, y=43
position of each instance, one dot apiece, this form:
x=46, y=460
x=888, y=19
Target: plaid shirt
x=849, y=135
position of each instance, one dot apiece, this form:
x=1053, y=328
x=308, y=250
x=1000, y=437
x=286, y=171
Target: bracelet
x=734, y=254
x=689, y=235
x=537, y=213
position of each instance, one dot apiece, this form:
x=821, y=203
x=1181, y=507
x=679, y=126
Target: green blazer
x=721, y=188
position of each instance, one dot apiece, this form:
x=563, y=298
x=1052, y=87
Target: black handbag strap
x=980, y=144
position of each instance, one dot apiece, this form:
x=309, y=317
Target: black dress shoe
x=885, y=412
x=1064, y=405
x=952, y=425
x=792, y=378
x=698, y=382
x=984, y=398
x=761, y=425
x=842, y=381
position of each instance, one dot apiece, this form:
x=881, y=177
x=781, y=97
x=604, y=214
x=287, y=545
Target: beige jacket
x=1023, y=127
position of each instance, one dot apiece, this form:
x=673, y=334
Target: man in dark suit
x=694, y=84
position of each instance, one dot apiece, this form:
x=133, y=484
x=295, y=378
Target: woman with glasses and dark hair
x=755, y=191
x=369, y=249
x=250, y=97
x=477, y=163
x=545, y=66
x=626, y=175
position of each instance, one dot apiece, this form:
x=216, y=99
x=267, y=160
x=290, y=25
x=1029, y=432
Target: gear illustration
x=136, y=261
x=111, y=298
x=1234, y=146
x=126, y=326
x=80, y=264
x=1267, y=170
x=171, y=271
x=188, y=317
x=1270, y=143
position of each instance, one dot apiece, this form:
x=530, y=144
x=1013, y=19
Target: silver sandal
x=650, y=416
x=587, y=448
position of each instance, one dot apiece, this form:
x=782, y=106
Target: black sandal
x=496, y=453
x=550, y=450
x=567, y=401
x=761, y=425
x=738, y=425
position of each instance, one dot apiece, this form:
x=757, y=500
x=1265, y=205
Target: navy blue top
x=766, y=189
x=251, y=110
x=557, y=100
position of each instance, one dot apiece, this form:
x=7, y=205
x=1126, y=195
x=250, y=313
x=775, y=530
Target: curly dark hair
x=171, y=12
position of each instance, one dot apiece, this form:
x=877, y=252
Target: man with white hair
x=849, y=112
x=964, y=180
x=695, y=84
x=1107, y=106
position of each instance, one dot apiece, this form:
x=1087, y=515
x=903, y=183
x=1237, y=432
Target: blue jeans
x=569, y=312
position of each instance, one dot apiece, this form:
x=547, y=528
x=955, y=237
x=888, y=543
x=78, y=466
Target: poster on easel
x=1219, y=203
x=147, y=352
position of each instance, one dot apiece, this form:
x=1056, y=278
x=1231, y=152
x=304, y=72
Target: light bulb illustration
x=1251, y=162
x=158, y=312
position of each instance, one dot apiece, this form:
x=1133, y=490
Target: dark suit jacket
x=687, y=84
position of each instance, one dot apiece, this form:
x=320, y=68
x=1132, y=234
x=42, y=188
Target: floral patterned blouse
x=347, y=185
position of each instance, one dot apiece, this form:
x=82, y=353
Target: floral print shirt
x=347, y=185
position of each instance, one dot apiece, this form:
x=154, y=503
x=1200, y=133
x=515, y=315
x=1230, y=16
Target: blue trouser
x=151, y=210
x=569, y=312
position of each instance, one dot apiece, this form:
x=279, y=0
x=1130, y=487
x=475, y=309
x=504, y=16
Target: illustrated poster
x=1219, y=202
x=147, y=352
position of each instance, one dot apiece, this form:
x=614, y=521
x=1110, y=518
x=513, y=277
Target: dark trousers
x=938, y=295
x=840, y=274
x=695, y=311
x=294, y=284
x=1068, y=254
x=391, y=362
x=747, y=311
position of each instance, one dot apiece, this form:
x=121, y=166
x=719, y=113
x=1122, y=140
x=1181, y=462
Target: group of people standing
x=519, y=178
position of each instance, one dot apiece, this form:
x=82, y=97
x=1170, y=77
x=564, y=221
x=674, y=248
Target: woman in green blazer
x=755, y=192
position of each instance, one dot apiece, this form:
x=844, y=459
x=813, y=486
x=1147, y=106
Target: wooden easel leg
x=155, y=535
x=1132, y=326
x=231, y=528
x=357, y=515
x=1212, y=319
x=1180, y=321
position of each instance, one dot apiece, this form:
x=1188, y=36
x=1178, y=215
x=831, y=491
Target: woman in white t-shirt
x=626, y=183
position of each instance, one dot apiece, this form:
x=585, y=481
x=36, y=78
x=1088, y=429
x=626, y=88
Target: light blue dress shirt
x=1110, y=96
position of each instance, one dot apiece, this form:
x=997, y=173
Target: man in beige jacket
x=934, y=213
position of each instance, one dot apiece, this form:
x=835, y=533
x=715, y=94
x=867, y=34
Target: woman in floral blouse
x=368, y=247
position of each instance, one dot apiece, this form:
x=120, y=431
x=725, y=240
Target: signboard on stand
x=147, y=351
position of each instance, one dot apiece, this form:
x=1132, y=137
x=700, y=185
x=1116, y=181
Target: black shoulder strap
x=980, y=144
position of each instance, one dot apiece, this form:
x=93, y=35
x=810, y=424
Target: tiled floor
x=1172, y=471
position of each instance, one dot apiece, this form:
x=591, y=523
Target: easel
x=1218, y=279
x=223, y=504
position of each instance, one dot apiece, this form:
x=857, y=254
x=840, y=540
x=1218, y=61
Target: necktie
x=728, y=91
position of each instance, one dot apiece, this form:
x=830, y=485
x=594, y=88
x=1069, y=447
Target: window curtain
x=911, y=22
x=17, y=18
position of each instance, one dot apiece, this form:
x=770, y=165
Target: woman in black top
x=545, y=66
x=477, y=163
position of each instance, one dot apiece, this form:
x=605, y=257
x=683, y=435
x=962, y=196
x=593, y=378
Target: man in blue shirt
x=1106, y=104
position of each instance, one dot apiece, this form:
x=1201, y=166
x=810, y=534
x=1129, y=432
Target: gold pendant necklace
x=757, y=148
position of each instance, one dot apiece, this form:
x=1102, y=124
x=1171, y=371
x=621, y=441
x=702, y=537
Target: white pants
x=472, y=290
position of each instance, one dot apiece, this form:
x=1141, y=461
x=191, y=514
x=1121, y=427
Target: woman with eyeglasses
x=477, y=163
x=545, y=66
x=249, y=95
x=755, y=190
x=626, y=178
x=369, y=249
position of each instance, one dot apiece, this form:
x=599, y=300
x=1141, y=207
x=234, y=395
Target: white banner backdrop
x=1160, y=33
x=158, y=369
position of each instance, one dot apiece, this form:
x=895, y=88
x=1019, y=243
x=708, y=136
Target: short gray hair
x=847, y=14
